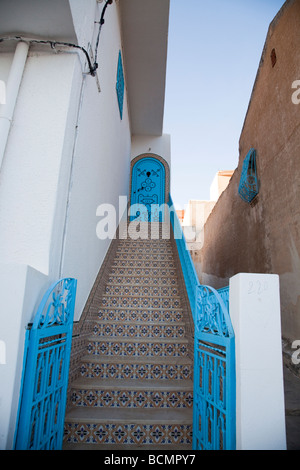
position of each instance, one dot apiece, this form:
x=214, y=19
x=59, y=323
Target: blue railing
x=43, y=393
x=189, y=272
x=214, y=355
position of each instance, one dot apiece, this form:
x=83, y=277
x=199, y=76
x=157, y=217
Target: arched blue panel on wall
x=147, y=190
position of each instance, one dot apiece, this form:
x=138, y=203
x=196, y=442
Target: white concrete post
x=22, y=289
x=255, y=316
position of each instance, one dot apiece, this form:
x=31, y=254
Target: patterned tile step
x=146, y=236
x=155, y=250
x=139, y=301
x=160, y=244
x=173, y=448
x=135, y=229
x=147, y=347
x=141, y=330
x=150, y=272
x=141, y=368
x=143, y=264
x=128, y=426
x=144, y=256
x=142, y=280
x=152, y=291
x=132, y=393
x=141, y=314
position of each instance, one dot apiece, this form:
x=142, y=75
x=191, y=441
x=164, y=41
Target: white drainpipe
x=12, y=90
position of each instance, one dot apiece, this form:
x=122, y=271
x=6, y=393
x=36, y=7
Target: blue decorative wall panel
x=248, y=187
x=120, y=85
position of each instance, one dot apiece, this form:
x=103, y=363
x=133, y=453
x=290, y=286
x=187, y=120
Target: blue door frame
x=147, y=190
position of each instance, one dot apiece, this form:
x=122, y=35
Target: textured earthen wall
x=264, y=236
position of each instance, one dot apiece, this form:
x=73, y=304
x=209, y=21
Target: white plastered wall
x=159, y=145
x=68, y=151
x=101, y=164
x=31, y=165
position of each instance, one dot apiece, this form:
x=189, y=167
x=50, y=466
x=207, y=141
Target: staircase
x=135, y=386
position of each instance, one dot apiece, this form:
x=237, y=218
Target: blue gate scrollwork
x=214, y=376
x=43, y=394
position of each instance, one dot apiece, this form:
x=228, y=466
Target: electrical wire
x=52, y=43
x=92, y=67
x=101, y=22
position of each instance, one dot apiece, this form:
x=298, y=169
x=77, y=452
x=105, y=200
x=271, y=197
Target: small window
x=248, y=187
x=273, y=57
x=120, y=85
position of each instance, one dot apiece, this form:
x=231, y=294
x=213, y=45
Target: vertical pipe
x=12, y=91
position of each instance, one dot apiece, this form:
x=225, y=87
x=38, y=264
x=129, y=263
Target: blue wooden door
x=147, y=190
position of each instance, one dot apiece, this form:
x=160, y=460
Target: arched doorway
x=149, y=188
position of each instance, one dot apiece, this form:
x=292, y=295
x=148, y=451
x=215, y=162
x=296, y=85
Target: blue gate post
x=44, y=384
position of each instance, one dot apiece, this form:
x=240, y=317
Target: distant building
x=196, y=213
x=219, y=184
x=180, y=213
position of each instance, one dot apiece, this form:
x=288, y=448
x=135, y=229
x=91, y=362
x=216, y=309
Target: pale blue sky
x=213, y=56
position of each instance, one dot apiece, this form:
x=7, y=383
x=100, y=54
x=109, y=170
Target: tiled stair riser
x=126, y=263
x=137, y=348
x=144, y=253
x=105, y=369
x=144, y=256
x=144, y=330
x=151, y=272
x=140, y=314
x=133, y=434
x=132, y=398
x=140, y=302
x=131, y=290
x=141, y=281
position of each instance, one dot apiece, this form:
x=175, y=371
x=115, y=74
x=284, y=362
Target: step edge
x=121, y=384
x=133, y=339
x=167, y=360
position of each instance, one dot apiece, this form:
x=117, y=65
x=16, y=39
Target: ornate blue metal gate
x=214, y=355
x=45, y=371
x=147, y=190
x=214, y=372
